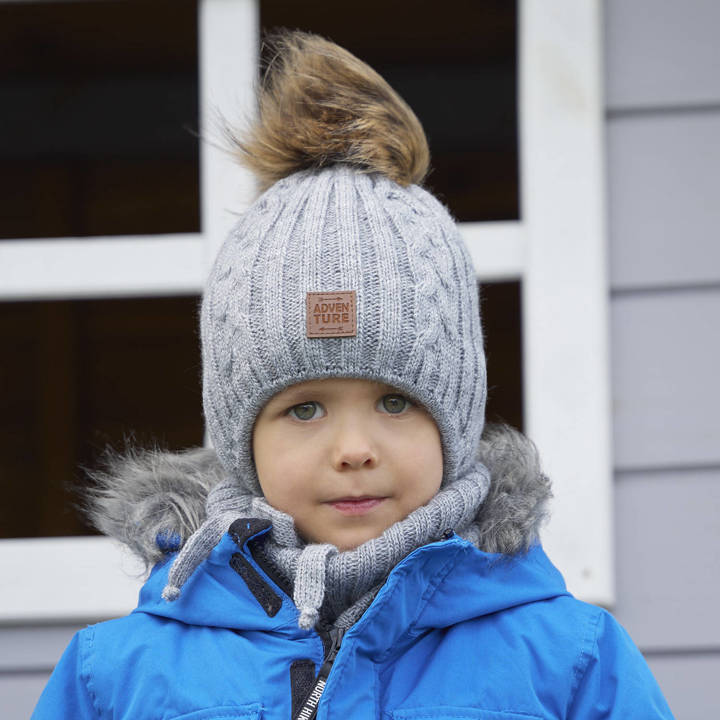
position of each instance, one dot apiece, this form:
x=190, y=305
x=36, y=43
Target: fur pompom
x=318, y=105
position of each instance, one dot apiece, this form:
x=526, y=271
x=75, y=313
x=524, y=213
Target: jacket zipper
x=308, y=711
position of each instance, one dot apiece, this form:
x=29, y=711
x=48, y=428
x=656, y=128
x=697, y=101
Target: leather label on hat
x=331, y=314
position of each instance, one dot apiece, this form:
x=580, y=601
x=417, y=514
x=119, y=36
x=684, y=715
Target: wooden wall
x=663, y=167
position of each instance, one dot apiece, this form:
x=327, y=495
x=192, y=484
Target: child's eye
x=394, y=404
x=306, y=411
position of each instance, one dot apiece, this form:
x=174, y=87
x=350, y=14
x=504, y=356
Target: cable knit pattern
x=418, y=322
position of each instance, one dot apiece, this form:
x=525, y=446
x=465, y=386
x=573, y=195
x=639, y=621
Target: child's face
x=346, y=458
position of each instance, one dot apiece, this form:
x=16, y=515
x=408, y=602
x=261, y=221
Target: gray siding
x=665, y=389
x=667, y=524
x=662, y=61
x=19, y=693
x=26, y=661
x=661, y=53
x=665, y=219
x=689, y=682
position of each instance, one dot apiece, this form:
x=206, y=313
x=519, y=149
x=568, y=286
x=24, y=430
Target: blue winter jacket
x=453, y=633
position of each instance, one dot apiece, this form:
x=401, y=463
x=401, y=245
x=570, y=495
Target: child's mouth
x=356, y=506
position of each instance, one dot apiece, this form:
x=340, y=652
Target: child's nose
x=354, y=448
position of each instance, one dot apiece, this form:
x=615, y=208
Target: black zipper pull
x=308, y=710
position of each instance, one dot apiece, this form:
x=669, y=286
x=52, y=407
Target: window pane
x=455, y=64
x=76, y=376
x=99, y=110
x=502, y=327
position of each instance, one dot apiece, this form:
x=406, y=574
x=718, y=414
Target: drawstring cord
x=222, y=507
x=309, y=590
x=319, y=571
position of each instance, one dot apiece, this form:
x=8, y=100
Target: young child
x=351, y=548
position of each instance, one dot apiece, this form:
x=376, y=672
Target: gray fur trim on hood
x=153, y=500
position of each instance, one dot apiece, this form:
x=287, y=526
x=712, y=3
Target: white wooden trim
x=66, y=579
x=83, y=579
x=497, y=249
x=160, y=264
x=101, y=267
x=137, y=265
x=229, y=48
x=565, y=292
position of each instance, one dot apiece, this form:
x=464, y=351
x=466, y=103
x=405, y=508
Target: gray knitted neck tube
x=318, y=572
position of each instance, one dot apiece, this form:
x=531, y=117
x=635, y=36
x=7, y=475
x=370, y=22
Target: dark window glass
x=502, y=326
x=99, y=110
x=76, y=376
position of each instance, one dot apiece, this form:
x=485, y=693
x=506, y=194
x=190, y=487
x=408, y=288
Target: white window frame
x=557, y=250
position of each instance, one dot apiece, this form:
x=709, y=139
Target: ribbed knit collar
x=342, y=583
x=156, y=502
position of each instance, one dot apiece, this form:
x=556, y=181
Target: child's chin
x=342, y=541
x=352, y=541
x=346, y=533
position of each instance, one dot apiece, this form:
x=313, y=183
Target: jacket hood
x=438, y=585
x=152, y=500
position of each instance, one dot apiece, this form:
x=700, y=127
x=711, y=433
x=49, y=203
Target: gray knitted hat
x=344, y=267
